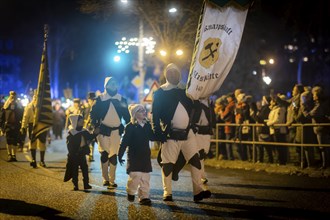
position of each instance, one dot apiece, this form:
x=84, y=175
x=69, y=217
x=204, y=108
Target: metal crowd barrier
x=257, y=142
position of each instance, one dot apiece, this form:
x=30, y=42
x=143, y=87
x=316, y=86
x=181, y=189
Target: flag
x=43, y=116
x=218, y=37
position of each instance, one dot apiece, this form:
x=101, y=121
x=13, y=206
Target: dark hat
x=76, y=100
x=91, y=95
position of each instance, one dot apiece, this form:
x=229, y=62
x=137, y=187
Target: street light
x=179, y=52
x=172, y=10
x=116, y=58
x=163, y=53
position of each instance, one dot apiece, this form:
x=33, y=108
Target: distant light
x=290, y=47
x=179, y=52
x=146, y=91
x=116, y=58
x=305, y=59
x=126, y=51
x=271, y=61
x=25, y=101
x=254, y=72
x=163, y=53
x=172, y=10
x=123, y=39
x=312, y=39
x=326, y=50
x=124, y=1
x=262, y=62
x=291, y=60
x=267, y=79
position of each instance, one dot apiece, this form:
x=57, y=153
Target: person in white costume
x=106, y=119
x=171, y=111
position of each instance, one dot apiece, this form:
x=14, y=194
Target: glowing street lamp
x=162, y=53
x=179, y=52
x=116, y=58
x=172, y=10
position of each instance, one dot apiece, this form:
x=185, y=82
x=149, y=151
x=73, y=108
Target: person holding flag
x=43, y=115
x=172, y=124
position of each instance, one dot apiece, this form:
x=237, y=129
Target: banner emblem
x=210, y=53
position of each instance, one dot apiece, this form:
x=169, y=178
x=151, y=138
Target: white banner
x=217, y=43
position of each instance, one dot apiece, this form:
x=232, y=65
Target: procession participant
x=171, y=111
x=87, y=121
x=205, y=122
x=106, y=118
x=78, y=140
x=136, y=138
x=76, y=108
x=27, y=124
x=10, y=124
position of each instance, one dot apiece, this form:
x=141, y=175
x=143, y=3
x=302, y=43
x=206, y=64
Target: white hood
x=74, y=121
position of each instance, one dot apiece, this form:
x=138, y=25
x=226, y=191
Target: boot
x=42, y=159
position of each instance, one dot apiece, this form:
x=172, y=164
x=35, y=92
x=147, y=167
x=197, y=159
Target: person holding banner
x=172, y=124
x=205, y=122
x=106, y=115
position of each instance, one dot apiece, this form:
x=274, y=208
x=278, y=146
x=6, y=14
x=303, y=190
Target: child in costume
x=136, y=137
x=78, y=140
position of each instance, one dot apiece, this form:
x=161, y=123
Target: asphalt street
x=40, y=193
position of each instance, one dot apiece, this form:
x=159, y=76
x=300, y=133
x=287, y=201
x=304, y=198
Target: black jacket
x=100, y=109
x=137, y=138
x=164, y=105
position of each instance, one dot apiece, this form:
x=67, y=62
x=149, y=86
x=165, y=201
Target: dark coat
x=137, y=138
x=77, y=154
x=100, y=109
x=164, y=105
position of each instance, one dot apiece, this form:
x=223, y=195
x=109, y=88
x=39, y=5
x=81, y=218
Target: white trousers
x=110, y=144
x=140, y=182
x=203, y=143
x=169, y=154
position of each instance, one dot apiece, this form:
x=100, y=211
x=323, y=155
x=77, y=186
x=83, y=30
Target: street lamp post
x=142, y=71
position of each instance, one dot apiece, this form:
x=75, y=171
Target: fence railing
x=257, y=142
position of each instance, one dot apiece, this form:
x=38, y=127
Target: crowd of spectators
x=279, y=119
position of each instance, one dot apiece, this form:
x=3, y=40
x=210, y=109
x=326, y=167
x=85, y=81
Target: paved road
x=28, y=193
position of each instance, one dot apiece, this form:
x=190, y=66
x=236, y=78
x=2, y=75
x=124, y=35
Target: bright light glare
x=25, y=102
x=254, y=72
x=172, y=10
x=146, y=91
x=262, y=62
x=163, y=53
x=124, y=1
x=179, y=52
x=116, y=58
x=305, y=59
x=267, y=79
x=271, y=61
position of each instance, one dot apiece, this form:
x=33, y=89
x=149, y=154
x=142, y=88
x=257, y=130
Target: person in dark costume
x=171, y=114
x=106, y=116
x=78, y=141
x=10, y=124
x=136, y=138
x=88, y=107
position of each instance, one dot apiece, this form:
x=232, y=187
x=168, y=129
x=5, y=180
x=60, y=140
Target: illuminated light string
x=124, y=45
